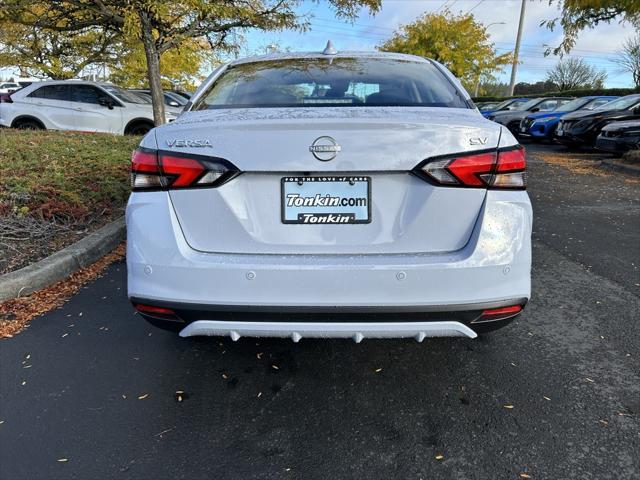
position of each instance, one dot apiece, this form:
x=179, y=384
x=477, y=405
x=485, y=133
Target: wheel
x=28, y=124
x=139, y=129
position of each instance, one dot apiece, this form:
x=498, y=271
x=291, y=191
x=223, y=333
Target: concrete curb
x=63, y=263
x=620, y=167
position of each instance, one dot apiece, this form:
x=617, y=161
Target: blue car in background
x=542, y=125
x=510, y=104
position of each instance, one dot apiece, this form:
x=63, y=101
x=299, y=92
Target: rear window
x=331, y=82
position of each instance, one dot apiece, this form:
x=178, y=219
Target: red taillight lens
x=468, y=170
x=152, y=170
x=5, y=98
x=499, y=169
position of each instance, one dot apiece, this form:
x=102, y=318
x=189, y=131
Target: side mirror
x=173, y=103
x=106, y=102
x=535, y=109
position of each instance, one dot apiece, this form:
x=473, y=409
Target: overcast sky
x=595, y=46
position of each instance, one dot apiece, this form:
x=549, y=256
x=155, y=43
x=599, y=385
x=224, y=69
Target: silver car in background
x=345, y=195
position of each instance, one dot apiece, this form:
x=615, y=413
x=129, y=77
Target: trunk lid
x=407, y=214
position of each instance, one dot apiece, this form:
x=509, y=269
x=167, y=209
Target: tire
x=28, y=124
x=138, y=128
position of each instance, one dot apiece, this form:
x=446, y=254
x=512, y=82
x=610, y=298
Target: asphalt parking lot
x=89, y=390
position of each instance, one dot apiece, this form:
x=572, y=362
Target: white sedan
x=347, y=195
x=78, y=105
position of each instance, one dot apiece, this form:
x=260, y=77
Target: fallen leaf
x=604, y=422
x=439, y=457
x=142, y=397
x=259, y=394
x=259, y=355
x=80, y=314
x=65, y=335
x=378, y=370
x=508, y=406
x=1, y=422
x=546, y=398
x=275, y=367
x=124, y=396
x=589, y=380
x=224, y=375
x=24, y=382
x=62, y=460
x=525, y=475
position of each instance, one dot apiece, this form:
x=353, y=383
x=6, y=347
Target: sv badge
x=478, y=141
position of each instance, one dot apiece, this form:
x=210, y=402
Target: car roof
x=346, y=54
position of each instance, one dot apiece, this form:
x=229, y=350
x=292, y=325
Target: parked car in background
x=511, y=119
x=382, y=206
x=170, y=99
x=9, y=87
x=581, y=128
x=619, y=137
x=482, y=106
x=182, y=93
x=78, y=105
x=506, y=105
x=542, y=125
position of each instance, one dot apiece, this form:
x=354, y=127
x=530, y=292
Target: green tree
x=180, y=67
x=457, y=41
x=576, y=15
x=57, y=55
x=576, y=74
x=163, y=25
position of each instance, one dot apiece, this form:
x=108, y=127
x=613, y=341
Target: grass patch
x=62, y=176
x=55, y=187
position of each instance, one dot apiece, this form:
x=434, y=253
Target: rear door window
x=52, y=92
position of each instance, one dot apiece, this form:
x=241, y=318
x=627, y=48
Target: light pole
x=514, y=66
x=475, y=94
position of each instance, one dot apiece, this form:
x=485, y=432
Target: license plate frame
x=326, y=214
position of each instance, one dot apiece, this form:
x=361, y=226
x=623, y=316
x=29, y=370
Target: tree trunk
x=153, y=68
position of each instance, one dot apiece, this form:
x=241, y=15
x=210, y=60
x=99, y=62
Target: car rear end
x=330, y=197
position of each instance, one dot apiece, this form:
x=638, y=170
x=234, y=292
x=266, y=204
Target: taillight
x=159, y=170
x=5, y=98
x=504, y=168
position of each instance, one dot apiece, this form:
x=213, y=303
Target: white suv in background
x=78, y=105
x=9, y=87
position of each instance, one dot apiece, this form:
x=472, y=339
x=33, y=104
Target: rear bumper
x=322, y=322
x=493, y=267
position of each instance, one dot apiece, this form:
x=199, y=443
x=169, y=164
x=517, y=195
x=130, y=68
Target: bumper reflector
x=498, y=314
x=159, y=312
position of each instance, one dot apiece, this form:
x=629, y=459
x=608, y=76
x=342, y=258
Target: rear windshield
x=331, y=82
x=574, y=105
x=621, y=103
